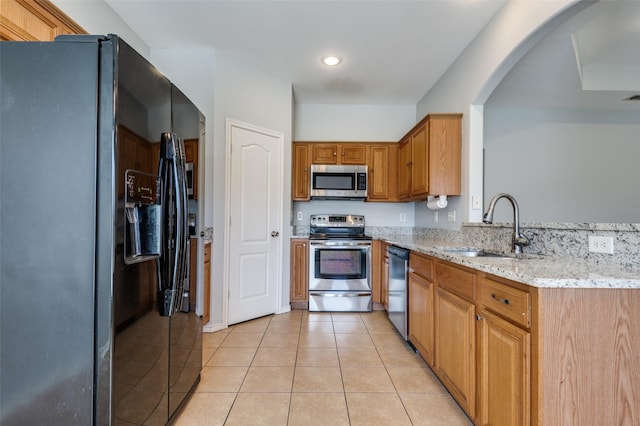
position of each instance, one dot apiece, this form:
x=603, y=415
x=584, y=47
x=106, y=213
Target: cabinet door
x=324, y=153
x=445, y=144
x=455, y=347
x=299, y=270
x=404, y=169
x=504, y=372
x=300, y=185
x=382, y=173
x=421, y=325
x=420, y=162
x=376, y=270
x=384, y=284
x=353, y=154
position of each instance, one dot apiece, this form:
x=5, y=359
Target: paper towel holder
x=436, y=202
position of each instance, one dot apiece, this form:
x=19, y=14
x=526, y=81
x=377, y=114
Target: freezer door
x=140, y=361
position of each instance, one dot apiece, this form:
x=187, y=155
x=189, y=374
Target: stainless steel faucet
x=518, y=240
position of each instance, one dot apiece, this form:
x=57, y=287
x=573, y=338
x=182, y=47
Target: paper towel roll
x=436, y=203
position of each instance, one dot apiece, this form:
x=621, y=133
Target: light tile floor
x=303, y=368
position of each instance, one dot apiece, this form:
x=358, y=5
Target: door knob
x=274, y=233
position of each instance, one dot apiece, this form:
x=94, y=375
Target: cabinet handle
x=505, y=301
x=478, y=317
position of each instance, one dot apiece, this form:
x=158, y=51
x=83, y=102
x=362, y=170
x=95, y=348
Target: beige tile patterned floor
x=304, y=368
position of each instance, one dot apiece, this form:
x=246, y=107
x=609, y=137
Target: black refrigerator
x=93, y=237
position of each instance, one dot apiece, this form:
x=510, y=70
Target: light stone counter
x=535, y=270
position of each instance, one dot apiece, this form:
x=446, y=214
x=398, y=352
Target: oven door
x=340, y=265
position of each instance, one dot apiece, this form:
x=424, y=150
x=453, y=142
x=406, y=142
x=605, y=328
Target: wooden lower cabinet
x=484, y=361
x=455, y=349
x=504, y=354
x=531, y=356
x=384, y=276
x=206, y=283
x=299, y=280
x=421, y=327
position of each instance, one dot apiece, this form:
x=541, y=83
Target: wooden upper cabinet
x=383, y=160
x=404, y=168
x=420, y=161
x=300, y=168
x=353, y=154
x=34, y=20
x=380, y=157
x=445, y=154
x=332, y=153
x=429, y=161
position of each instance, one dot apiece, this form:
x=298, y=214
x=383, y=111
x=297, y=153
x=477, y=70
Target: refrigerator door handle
x=182, y=225
x=172, y=265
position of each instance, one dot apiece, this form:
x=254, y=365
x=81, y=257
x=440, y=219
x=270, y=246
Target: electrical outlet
x=299, y=216
x=600, y=244
x=403, y=217
x=451, y=216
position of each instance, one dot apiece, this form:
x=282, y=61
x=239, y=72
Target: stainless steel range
x=339, y=264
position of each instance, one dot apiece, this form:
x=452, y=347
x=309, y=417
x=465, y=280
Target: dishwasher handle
x=400, y=252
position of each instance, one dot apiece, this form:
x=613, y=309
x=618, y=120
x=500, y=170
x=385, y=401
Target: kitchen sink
x=478, y=252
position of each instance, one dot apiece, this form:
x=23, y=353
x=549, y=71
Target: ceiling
x=393, y=50
x=591, y=61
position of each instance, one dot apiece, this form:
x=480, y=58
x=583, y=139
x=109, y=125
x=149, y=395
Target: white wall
x=370, y=123
x=376, y=214
x=364, y=123
x=554, y=162
x=96, y=17
x=470, y=80
x=252, y=96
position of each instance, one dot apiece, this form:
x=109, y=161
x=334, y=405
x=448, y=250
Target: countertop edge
x=541, y=272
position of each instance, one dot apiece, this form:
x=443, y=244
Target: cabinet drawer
x=421, y=265
x=457, y=280
x=509, y=302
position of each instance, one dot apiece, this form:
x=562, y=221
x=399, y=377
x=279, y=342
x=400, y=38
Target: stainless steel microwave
x=330, y=182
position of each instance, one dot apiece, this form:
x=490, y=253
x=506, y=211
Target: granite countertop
x=535, y=270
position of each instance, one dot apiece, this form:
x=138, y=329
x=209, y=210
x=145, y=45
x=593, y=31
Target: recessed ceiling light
x=331, y=60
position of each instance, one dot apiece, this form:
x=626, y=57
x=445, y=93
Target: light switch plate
x=476, y=203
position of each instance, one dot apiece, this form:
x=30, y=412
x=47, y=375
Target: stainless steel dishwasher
x=397, y=300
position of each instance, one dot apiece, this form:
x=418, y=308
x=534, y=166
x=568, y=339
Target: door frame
x=230, y=123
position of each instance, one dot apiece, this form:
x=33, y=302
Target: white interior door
x=254, y=219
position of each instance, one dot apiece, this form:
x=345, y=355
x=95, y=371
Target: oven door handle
x=329, y=294
x=340, y=244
